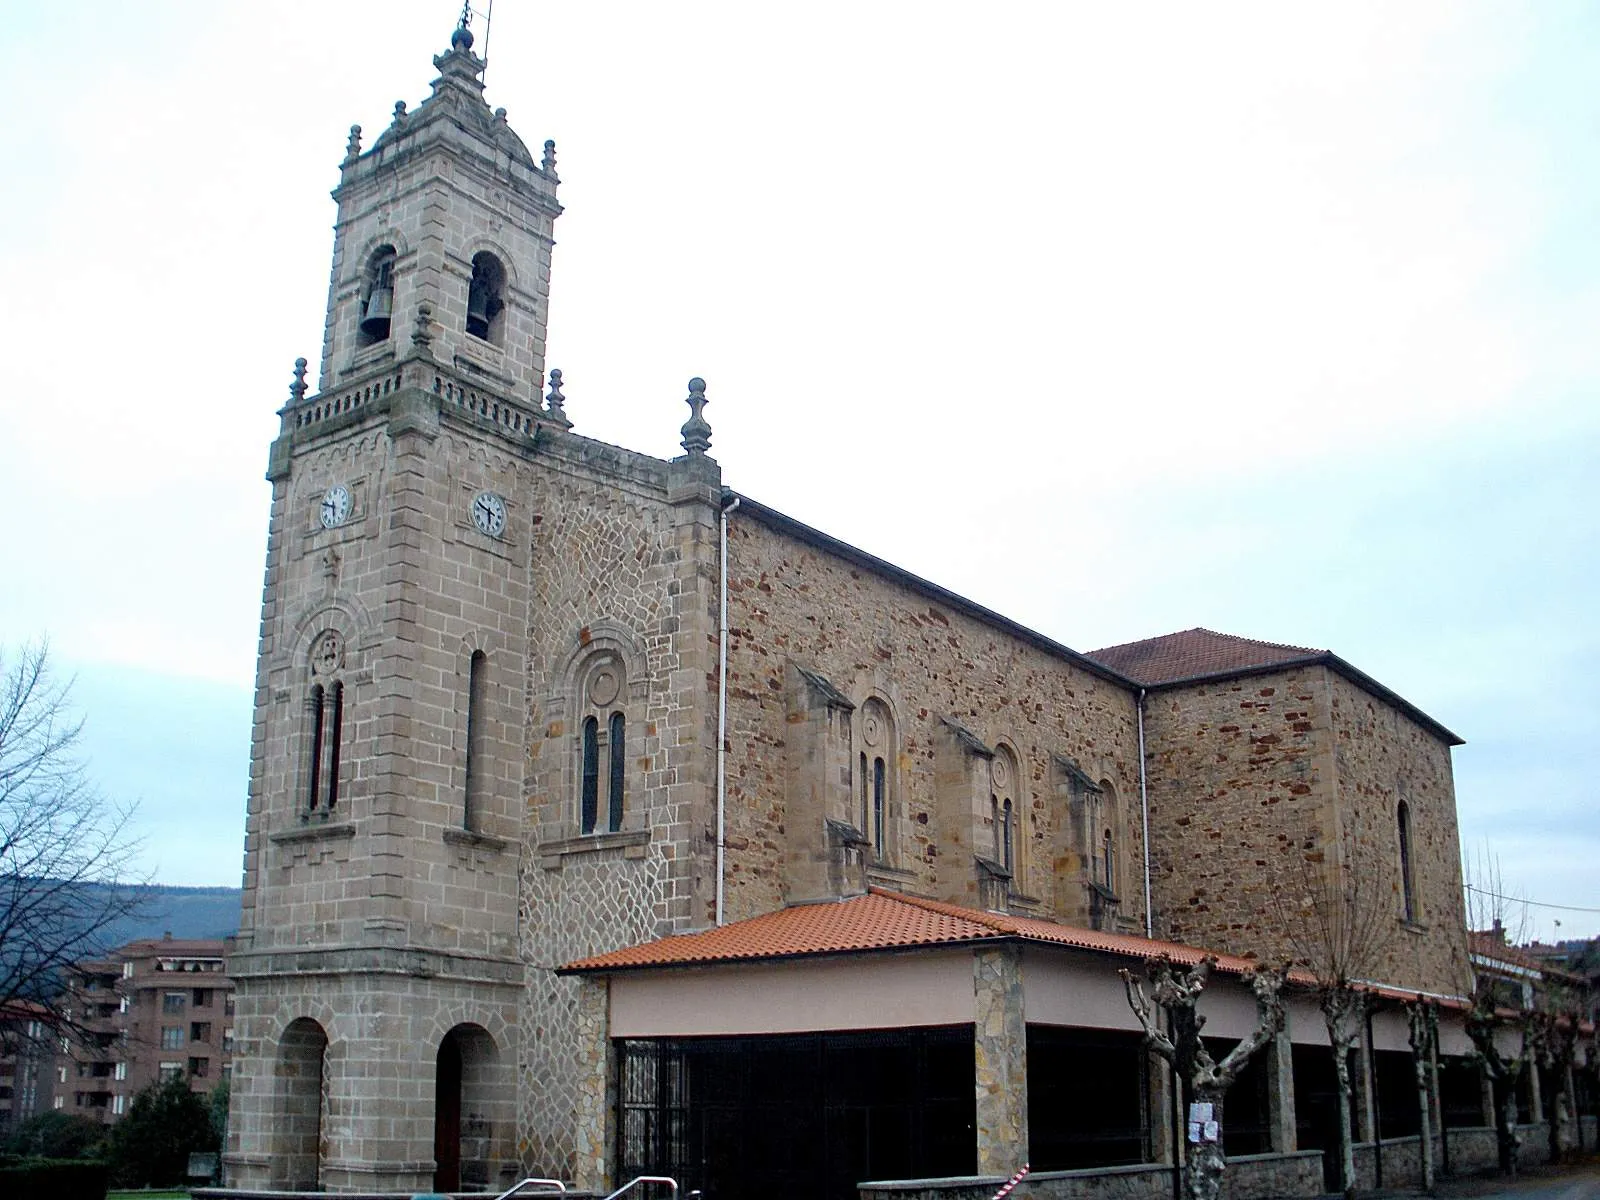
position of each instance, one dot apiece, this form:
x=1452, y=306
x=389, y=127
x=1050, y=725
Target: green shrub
x=54, y=1179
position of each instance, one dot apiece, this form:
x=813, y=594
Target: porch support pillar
x=1000, y=1060
x=594, y=1130
x=1363, y=1085
x=1280, y=1094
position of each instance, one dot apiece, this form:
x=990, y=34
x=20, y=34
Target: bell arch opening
x=301, y=1096
x=473, y=1102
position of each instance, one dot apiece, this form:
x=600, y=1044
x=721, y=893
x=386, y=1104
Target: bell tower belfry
x=448, y=209
x=378, y=968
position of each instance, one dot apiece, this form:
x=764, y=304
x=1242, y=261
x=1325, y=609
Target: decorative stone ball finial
x=352, y=148
x=399, y=112
x=297, y=389
x=555, y=399
x=461, y=39
x=499, y=116
x=696, y=430
x=422, y=335
x=549, y=157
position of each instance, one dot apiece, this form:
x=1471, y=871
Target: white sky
x=1118, y=318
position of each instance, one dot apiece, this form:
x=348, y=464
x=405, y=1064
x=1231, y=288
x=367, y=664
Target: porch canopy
x=884, y=1035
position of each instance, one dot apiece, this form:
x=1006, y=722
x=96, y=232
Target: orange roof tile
x=880, y=920
x=1195, y=653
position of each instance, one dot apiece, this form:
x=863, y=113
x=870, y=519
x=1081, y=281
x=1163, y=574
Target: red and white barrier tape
x=1011, y=1183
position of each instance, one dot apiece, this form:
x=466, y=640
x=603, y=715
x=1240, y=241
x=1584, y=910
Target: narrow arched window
x=866, y=804
x=314, y=767
x=486, y=298
x=1408, y=891
x=590, y=803
x=879, y=805
x=616, y=745
x=475, y=791
x=335, y=728
x=1108, y=858
x=1007, y=843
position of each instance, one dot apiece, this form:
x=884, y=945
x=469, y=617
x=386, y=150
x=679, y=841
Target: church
x=605, y=821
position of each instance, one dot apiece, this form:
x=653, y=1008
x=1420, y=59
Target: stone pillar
x=1535, y=1093
x=1280, y=1094
x=1366, y=1125
x=1486, y=1087
x=594, y=1130
x=1000, y=1060
x=1158, y=1074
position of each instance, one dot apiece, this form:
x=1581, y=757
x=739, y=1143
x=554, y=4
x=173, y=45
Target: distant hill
x=184, y=912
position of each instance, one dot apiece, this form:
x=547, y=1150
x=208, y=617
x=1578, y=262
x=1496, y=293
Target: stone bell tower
x=377, y=964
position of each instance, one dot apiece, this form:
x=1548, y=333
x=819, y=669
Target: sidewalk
x=1579, y=1181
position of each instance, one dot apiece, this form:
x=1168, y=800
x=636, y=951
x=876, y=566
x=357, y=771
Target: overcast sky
x=1120, y=319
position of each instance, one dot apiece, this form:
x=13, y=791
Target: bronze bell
x=478, y=315
x=380, y=305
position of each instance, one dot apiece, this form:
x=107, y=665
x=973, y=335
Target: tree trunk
x=1342, y=1044
x=1557, y=1115
x=1505, y=1125
x=1425, y=1145
x=1206, y=1160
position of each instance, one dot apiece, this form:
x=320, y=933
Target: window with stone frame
x=477, y=769
x=1408, y=883
x=1005, y=813
x=602, y=747
x=326, y=718
x=377, y=298
x=875, y=784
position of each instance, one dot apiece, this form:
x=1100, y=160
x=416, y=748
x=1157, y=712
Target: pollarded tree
x=65, y=853
x=1176, y=992
x=1338, y=937
x=1553, y=1030
x=1422, y=1020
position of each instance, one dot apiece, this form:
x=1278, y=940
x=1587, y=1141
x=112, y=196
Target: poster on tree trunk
x=1203, y=1126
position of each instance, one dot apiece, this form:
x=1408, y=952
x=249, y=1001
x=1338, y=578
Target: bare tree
x=1422, y=1019
x=1499, y=1002
x=1176, y=992
x=65, y=853
x=1553, y=1033
x=1338, y=937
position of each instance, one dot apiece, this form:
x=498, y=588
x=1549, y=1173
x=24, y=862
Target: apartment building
x=157, y=1008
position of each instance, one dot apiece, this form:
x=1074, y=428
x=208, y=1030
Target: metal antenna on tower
x=467, y=13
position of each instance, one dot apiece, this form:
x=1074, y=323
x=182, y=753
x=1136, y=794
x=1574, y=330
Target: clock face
x=489, y=513
x=335, y=506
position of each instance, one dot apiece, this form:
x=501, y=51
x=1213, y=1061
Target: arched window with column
x=1005, y=800
x=875, y=733
x=602, y=746
x=323, y=741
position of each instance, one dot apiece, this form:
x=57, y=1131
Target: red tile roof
x=1196, y=653
x=880, y=920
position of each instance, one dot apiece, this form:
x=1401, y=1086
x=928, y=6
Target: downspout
x=722, y=698
x=1144, y=809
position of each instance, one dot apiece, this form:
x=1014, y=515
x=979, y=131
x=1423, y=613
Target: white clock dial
x=489, y=513
x=335, y=506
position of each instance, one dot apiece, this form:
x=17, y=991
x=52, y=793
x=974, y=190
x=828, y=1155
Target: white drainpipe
x=1144, y=807
x=722, y=703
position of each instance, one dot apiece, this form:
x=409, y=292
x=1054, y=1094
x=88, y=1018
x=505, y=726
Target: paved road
x=1580, y=1184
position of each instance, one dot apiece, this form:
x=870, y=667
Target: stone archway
x=300, y=1103
x=469, y=1099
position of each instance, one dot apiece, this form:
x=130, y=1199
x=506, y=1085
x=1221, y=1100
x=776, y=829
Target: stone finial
x=499, y=116
x=422, y=335
x=399, y=113
x=555, y=399
x=550, y=157
x=461, y=39
x=696, y=430
x=352, y=148
x=297, y=389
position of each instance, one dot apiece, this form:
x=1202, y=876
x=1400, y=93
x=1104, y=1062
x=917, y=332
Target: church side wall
x=624, y=569
x=872, y=635
x=1241, y=806
x=1385, y=758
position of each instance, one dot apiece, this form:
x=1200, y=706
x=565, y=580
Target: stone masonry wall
x=624, y=560
x=1240, y=793
x=1384, y=757
x=870, y=634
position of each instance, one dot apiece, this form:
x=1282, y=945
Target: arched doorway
x=301, y=1094
x=466, y=1099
